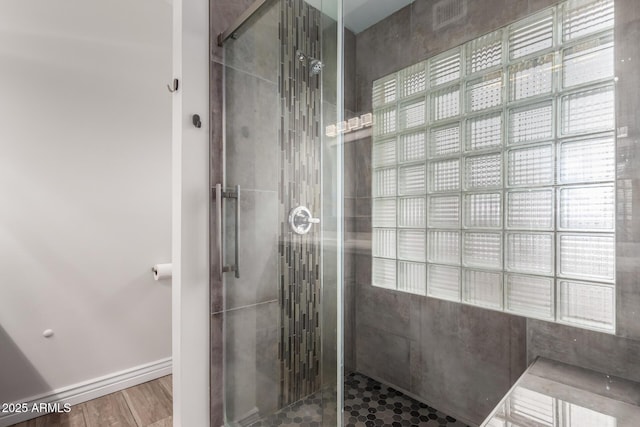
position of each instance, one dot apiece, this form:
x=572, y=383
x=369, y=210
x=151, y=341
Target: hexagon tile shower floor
x=368, y=403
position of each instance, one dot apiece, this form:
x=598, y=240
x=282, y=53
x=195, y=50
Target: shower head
x=315, y=65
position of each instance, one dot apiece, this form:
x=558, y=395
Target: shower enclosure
x=276, y=218
x=486, y=191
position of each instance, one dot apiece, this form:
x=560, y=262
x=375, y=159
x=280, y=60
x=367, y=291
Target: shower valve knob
x=301, y=220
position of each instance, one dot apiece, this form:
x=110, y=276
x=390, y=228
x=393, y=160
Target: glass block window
x=494, y=170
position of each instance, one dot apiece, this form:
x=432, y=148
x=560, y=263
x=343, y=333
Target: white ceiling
x=361, y=14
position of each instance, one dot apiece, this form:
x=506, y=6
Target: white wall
x=85, y=189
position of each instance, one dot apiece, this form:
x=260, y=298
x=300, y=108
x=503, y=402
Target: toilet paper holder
x=162, y=271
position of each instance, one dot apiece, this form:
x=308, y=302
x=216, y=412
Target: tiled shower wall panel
x=430, y=339
x=299, y=255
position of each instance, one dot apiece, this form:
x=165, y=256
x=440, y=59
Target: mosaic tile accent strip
x=299, y=256
x=367, y=403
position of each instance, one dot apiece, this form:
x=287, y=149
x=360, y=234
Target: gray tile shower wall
x=613, y=355
x=463, y=359
x=458, y=358
x=252, y=368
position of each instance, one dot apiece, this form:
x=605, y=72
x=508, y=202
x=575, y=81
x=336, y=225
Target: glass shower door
x=278, y=276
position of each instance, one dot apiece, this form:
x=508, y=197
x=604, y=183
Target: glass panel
x=483, y=210
x=413, y=113
x=585, y=256
x=589, y=160
x=588, y=111
x=385, y=121
x=482, y=250
x=445, y=103
x=533, y=77
x=385, y=91
x=443, y=282
x=384, y=153
x=411, y=180
x=588, y=305
x=580, y=18
x=444, y=141
x=587, y=208
x=413, y=80
x=483, y=172
x=530, y=296
x=384, y=273
x=444, y=247
x=530, y=253
x=484, y=52
x=274, y=111
x=482, y=288
x=384, y=182
x=578, y=416
x=484, y=132
x=445, y=68
x=531, y=123
x=531, y=35
x=444, y=175
x=412, y=277
x=530, y=210
x=530, y=166
x=588, y=62
x=412, y=146
x=411, y=212
x=531, y=408
x=444, y=211
x=384, y=212
x=484, y=92
x=384, y=242
x=411, y=245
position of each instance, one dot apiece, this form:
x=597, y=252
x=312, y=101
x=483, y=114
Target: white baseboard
x=92, y=389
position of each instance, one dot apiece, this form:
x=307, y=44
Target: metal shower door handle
x=219, y=196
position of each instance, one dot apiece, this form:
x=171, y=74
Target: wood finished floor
x=145, y=405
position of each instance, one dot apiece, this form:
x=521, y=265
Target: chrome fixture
x=315, y=66
x=231, y=32
x=300, y=220
x=219, y=195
